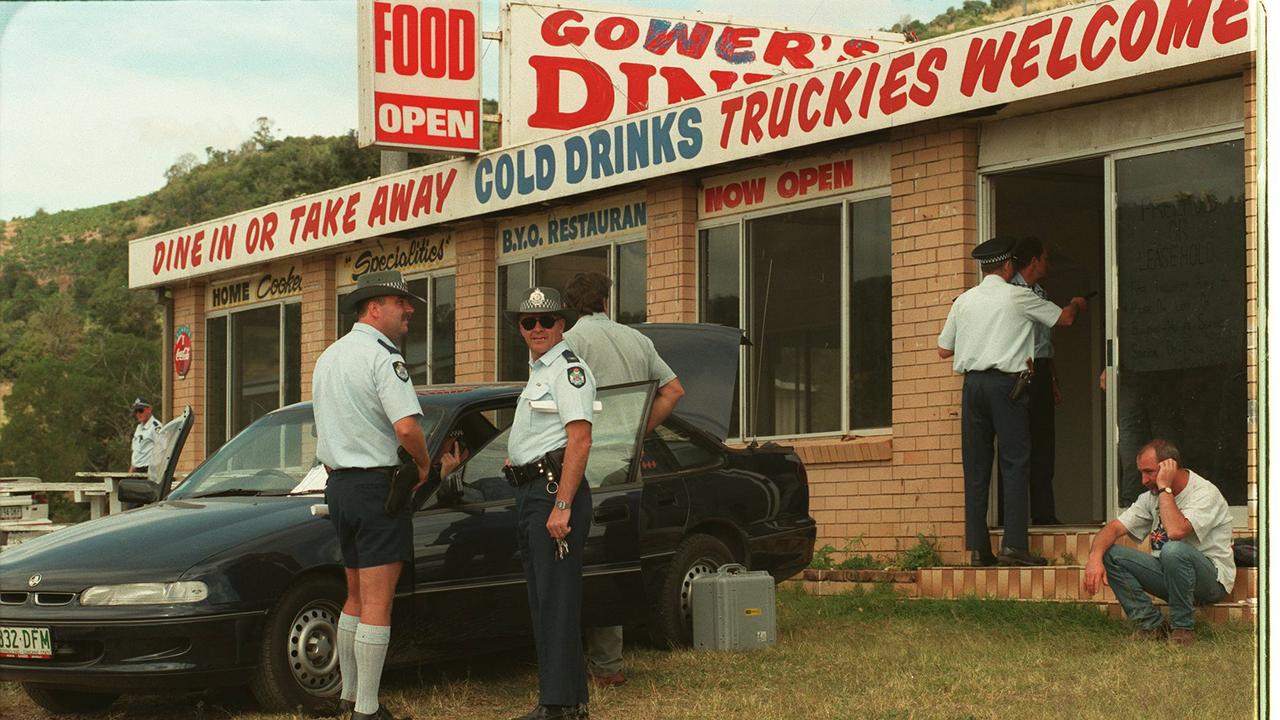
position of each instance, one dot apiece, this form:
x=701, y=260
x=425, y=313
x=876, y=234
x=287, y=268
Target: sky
x=98, y=99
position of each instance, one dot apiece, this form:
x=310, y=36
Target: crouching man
x=1190, y=563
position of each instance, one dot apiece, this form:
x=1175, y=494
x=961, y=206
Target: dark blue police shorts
x=367, y=536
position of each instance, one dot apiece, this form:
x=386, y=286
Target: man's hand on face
x=1165, y=475
x=1095, y=576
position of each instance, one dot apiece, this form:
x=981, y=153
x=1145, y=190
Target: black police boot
x=977, y=558
x=1017, y=557
x=555, y=712
x=382, y=714
x=336, y=708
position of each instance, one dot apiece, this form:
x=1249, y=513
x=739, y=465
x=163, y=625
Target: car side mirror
x=138, y=491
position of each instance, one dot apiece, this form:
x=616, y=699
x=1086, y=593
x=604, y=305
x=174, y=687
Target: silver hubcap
x=313, y=651
x=700, y=567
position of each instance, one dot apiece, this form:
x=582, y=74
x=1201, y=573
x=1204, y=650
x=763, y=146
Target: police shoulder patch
x=570, y=357
x=577, y=378
x=402, y=372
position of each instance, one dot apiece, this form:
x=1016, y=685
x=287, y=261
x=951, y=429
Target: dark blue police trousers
x=555, y=591
x=987, y=413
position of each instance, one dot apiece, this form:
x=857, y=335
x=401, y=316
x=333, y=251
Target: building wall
x=476, y=316
x=319, y=313
x=188, y=309
x=672, y=250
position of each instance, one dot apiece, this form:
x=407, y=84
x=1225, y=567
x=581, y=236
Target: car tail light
x=39, y=498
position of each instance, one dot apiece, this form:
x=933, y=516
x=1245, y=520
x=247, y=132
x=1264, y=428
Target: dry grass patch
x=867, y=655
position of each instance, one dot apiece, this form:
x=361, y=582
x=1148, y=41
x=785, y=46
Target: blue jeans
x=1182, y=576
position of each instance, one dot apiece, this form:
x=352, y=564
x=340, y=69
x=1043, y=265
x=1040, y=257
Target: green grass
x=863, y=655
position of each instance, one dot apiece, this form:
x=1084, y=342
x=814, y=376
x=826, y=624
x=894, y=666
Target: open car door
x=164, y=461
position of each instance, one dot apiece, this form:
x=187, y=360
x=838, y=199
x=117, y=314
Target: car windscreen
x=270, y=457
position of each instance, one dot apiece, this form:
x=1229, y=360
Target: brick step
x=1054, y=583
x=1069, y=545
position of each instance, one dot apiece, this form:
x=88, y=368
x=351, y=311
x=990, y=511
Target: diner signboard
x=1051, y=52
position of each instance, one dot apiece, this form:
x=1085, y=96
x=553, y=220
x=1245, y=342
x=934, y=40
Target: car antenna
x=764, y=316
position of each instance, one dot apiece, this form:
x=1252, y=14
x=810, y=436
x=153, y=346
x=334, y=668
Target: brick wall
x=934, y=227
x=319, y=313
x=672, y=250
x=476, y=318
x=188, y=309
x=1251, y=263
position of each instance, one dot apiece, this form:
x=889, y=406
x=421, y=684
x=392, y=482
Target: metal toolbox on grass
x=734, y=609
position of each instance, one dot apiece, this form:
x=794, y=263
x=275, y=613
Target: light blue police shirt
x=1044, y=335
x=360, y=388
x=560, y=377
x=990, y=326
x=617, y=353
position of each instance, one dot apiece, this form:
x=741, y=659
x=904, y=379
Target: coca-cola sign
x=182, y=350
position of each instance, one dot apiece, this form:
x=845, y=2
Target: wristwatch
x=1168, y=490
x=562, y=505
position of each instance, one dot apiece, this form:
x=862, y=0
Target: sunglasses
x=546, y=321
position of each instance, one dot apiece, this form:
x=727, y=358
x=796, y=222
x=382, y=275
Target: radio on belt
x=734, y=609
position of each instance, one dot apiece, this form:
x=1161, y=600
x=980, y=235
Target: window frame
x=531, y=261
x=428, y=322
x=227, y=348
x=740, y=220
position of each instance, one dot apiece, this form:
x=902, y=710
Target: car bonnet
x=151, y=544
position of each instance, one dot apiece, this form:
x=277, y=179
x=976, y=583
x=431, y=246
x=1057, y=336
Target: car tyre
x=67, y=702
x=673, y=619
x=298, y=659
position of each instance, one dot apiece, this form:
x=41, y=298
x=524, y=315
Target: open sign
x=420, y=74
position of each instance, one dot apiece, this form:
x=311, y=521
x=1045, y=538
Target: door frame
x=986, y=226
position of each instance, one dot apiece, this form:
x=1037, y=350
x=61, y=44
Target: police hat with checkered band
x=378, y=284
x=542, y=301
x=994, y=251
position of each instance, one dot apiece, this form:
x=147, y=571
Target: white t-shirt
x=1205, y=508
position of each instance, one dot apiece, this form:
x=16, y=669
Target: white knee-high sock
x=371, y=652
x=347, y=654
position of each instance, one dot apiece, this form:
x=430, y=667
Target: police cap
x=994, y=251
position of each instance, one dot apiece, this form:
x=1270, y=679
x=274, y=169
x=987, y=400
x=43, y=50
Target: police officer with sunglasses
x=550, y=441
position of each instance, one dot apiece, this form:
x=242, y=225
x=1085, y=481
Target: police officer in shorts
x=550, y=440
x=990, y=335
x=365, y=407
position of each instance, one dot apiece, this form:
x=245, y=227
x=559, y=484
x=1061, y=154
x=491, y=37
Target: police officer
x=144, y=436
x=1031, y=260
x=365, y=407
x=616, y=354
x=550, y=440
x=989, y=332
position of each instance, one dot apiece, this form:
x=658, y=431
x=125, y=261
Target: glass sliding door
x=1180, y=324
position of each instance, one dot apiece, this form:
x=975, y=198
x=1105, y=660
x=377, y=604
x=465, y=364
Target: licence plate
x=11, y=512
x=25, y=642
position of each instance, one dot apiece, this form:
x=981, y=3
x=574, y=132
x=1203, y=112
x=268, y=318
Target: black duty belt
x=386, y=470
x=544, y=469
x=992, y=371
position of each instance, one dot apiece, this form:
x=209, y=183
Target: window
x=626, y=302
x=428, y=349
x=254, y=366
x=813, y=366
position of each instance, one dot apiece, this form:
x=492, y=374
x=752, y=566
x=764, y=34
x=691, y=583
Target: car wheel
x=698, y=555
x=66, y=702
x=298, y=660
